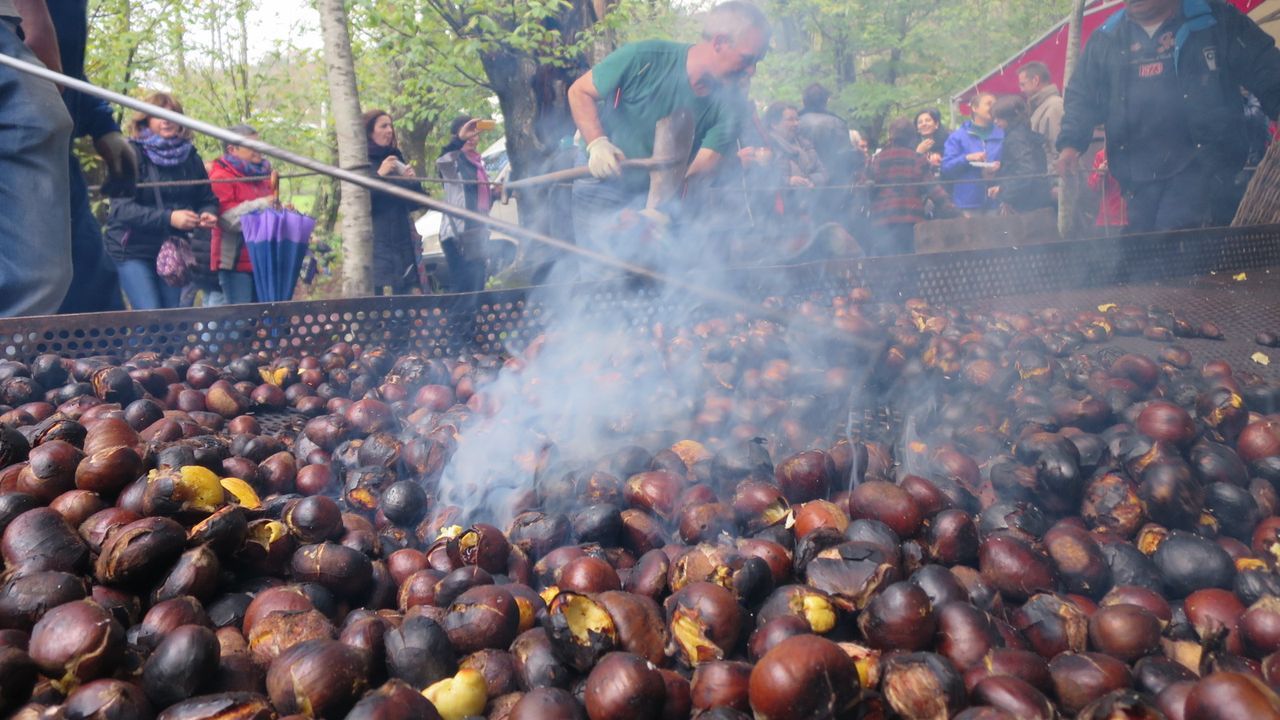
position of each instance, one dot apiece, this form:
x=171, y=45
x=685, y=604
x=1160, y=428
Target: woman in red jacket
x=1112, y=210
x=228, y=255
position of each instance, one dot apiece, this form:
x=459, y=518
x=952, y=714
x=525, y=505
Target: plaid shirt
x=890, y=205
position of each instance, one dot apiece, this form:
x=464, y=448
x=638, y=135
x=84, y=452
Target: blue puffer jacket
x=970, y=195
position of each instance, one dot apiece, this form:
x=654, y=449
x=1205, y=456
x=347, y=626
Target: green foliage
x=200, y=51
x=416, y=68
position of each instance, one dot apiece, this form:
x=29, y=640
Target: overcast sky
x=282, y=21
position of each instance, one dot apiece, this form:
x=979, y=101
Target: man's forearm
x=704, y=162
x=38, y=27
x=582, y=105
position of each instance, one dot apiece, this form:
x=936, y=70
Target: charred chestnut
x=922, y=686
x=184, y=661
x=482, y=617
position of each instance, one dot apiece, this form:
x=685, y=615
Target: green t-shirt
x=643, y=82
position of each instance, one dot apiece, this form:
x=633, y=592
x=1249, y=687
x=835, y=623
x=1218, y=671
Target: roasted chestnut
x=419, y=652
x=900, y=617
x=482, y=617
x=922, y=686
x=322, y=678
x=184, y=661
x=76, y=642
x=803, y=676
x=1081, y=678
x=1126, y=632
x=705, y=621
x=547, y=704
x=1014, y=567
x=625, y=687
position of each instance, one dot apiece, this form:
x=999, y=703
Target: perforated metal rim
x=450, y=325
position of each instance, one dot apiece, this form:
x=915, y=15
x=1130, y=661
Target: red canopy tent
x=1051, y=48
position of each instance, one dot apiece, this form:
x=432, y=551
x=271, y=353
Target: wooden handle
x=582, y=171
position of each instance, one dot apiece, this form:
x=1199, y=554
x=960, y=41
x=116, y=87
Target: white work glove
x=604, y=158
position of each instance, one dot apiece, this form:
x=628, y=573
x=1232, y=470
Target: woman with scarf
x=797, y=170
x=396, y=246
x=228, y=255
x=137, y=227
x=464, y=242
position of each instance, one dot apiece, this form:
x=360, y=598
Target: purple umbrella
x=277, y=241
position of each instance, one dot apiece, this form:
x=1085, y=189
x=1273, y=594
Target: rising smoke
x=625, y=361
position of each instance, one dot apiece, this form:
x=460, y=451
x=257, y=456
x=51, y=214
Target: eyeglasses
x=749, y=59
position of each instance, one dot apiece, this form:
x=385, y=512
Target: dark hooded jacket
x=1217, y=50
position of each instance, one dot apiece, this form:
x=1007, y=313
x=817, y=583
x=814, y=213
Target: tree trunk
x=1069, y=186
x=353, y=149
x=413, y=143
x=242, y=20
x=535, y=110
x=536, y=116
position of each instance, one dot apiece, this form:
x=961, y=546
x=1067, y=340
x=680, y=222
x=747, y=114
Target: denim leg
x=1185, y=202
x=170, y=297
x=35, y=217
x=140, y=283
x=96, y=286
x=238, y=287
x=1142, y=203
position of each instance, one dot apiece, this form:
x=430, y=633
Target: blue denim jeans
x=237, y=287
x=35, y=211
x=96, y=285
x=144, y=287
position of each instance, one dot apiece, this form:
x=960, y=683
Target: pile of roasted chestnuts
x=1031, y=525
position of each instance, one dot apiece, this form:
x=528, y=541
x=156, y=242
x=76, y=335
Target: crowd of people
x=1182, y=92
x=1177, y=86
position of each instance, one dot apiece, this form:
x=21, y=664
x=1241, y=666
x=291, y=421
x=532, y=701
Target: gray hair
x=241, y=129
x=732, y=19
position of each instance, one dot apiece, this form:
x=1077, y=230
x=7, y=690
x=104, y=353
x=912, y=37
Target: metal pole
x=1069, y=185
x=370, y=183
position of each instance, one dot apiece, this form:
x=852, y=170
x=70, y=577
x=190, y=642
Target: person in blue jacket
x=1164, y=77
x=971, y=153
x=95, y=285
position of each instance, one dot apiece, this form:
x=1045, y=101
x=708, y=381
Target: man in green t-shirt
x=618, y=103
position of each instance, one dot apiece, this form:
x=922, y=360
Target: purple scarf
x=247, y=169
x=165, y=152
x=483, y=200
